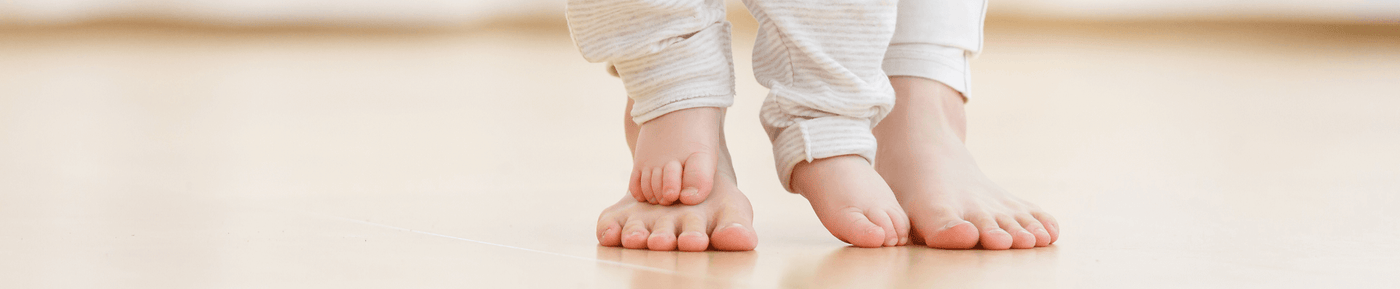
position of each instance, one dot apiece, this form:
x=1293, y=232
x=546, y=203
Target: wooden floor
x=1175, y=155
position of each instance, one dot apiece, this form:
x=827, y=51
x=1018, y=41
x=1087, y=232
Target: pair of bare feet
x=924, y=187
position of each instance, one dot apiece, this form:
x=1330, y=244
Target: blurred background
x=418, y=13
x=357, y=143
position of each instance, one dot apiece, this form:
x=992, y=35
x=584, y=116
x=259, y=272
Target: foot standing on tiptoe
x=951, y=203
x=821, y=64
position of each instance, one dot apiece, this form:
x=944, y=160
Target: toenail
x=737, y=225
x=690, y=192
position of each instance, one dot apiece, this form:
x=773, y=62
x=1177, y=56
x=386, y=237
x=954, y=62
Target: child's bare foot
x=852, y=201
x=951, y=204
x=673, y=156
x=723, y=220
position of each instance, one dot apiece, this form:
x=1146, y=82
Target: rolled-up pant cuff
x=693, y=72
x=948, y=65
x=820, y=138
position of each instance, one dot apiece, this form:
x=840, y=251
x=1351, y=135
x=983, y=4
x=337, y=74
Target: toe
x=991, y=235
x=634, y=234
x=644, y=182
x=901, y=226
x=734, y=232
x=693, y=237
x=670, y=183
x=1051, y=226
x=943, y=229
x=663, y=236
x=733, y=237
x=609, y=232
x=857, y=229
x=1020, y=237
x=1042, y=236
x=882, y=219
x=655, y=186
x=634, y=186
x=698, y=178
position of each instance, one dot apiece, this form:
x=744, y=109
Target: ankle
x=931, y=102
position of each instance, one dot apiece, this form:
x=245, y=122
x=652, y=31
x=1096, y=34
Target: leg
x=674, y=59
x=821, y=64
x=951, y=204
x=723, y=221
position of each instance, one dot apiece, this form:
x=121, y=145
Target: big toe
x=734, y=237
x=698, y=178
x=733, y=232
x=950, y=234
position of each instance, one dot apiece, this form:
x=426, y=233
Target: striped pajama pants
x=826, y=63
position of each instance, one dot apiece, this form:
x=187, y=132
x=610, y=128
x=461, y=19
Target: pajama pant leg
x=670, y=54
x=934, y=39
x=821, y=62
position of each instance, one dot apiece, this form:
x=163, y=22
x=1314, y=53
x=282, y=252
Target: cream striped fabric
x=670, y=54
x=936, y=40
x=821, y=63
x=824, y=62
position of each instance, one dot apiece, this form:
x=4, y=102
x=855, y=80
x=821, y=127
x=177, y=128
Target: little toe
x=634, y=235
x=698, y=178
x=1051, y=226
x=609, y=233
x=882, y=219
x=663, y=236
x=991, y=235
x=1042, y=237
x=1020, y=237
x=693, y=237
x=670, y=183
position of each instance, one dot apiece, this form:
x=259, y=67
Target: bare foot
x=722, y=221
x=951, y=204
x=673, y=156
x=852, y=201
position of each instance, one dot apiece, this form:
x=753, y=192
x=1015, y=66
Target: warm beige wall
x=466, y=12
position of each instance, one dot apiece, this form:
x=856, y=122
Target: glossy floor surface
x=1174, y=155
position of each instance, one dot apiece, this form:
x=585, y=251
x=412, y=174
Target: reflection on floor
x=1174, y=155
